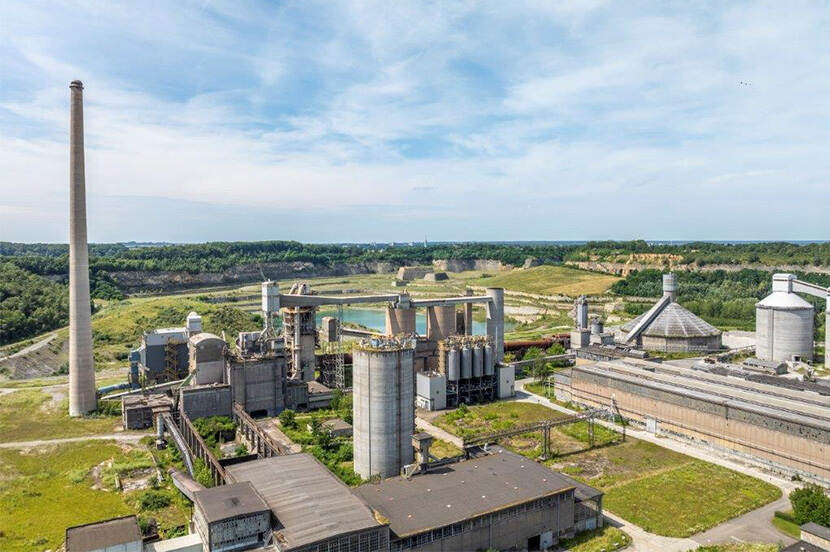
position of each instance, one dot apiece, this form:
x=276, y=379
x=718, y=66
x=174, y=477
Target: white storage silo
x=453, y=364
x=489, y=359
x=478, y=359
x=384, y=406
x=783, y=323
x=466, y=361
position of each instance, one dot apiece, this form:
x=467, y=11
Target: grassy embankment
x=551, y=280
x=662, y=491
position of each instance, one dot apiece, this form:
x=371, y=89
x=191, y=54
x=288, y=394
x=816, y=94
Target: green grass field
x=786, y=526
x=498, y=416
x=688, y=499
x=599, y=540
x=551, y=280
x=30, y=414
x=739, y=547
x=662, y=491
x=45, y=490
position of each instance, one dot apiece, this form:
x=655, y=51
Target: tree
x=811, y=503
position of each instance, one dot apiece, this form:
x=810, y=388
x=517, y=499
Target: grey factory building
x=787, y=430
x=119, y=534
x=495, y=501
x=313, y=511
x=231, y=517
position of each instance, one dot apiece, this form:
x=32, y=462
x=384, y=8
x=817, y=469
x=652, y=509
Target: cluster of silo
x=469, y=364
x=383, y=405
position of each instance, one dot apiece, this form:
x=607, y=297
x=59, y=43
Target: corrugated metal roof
x=783, y=300
x=310, y=503
x=461, y=491
x=229, y=501
x=101, y=534
x=674, y=321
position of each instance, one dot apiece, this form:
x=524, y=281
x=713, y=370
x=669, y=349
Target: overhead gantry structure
x=402, y=305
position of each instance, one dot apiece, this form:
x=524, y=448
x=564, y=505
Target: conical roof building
x=670, y=327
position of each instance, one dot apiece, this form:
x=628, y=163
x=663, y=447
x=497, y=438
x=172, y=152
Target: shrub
x=153, y=500
x=288, y=419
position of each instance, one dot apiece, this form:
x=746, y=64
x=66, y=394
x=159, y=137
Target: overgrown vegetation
x=215, y=430
x=46, y=489
x=599, y=540
x=810, y=503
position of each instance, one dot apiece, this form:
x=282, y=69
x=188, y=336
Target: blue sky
x=380, y=121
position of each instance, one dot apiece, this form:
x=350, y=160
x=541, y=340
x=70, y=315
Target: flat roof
x=461, y=491
x=101, y=534
x=815, y=529
x=310, y=503
x=803, y=546
x=229, y=501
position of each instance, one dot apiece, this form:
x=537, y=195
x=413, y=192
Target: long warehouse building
x=787, y=430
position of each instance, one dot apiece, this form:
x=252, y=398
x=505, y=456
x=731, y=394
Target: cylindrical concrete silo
x=478, y=359
x=489, y=360
x=466, y=361
x=783, y=323
x=384, y=407
x=400, y=321
x=441, y=322
x=453, y=364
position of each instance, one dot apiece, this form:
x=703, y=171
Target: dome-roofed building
x=670, y=327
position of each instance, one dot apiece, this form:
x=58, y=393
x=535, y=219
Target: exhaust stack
x=82, y=399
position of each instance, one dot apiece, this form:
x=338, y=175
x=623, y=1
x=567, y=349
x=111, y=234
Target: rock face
x=131, y=281
x=406, y=273
x=530, y=262
x=436, y=277
x=460, y=265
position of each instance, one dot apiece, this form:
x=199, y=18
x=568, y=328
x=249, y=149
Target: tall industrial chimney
x=82, y=398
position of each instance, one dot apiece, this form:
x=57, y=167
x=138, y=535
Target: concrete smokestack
x=82, y=398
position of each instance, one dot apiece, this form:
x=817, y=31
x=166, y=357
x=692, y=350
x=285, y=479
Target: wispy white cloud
x=464, y=120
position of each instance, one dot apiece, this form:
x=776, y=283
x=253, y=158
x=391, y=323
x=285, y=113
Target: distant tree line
x=29, y=304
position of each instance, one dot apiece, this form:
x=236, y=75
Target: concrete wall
x=508, y=529
x=211, y=400
x=259, y=384
x=679, y=344
x=775, y=440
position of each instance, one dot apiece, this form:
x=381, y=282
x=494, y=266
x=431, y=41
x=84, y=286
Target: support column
x=495, y=320
x=827, y=333
x=468, y=314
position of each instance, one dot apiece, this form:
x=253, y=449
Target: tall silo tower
x=82, y=398
x=384, y=406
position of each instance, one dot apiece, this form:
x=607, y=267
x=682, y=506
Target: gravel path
x=131, y=437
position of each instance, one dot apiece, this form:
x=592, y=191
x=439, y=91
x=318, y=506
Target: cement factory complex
x=486, y=497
